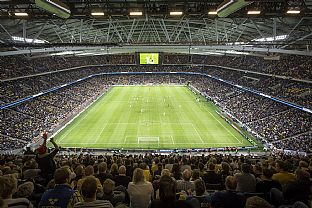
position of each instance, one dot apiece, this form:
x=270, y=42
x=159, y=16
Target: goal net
x=148, y=142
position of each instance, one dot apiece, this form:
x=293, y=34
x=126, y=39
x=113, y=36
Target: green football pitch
x=150, y=117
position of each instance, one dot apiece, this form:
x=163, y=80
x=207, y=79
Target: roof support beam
x=257, y=28
x=181, y=29
x=235, y=29
x=164, y=28
x=24, y=31
x=274, y=31
x=294, y=28
x=175, y=30
x=225, y=32
x=299, y=39
x=240, y=34
x=155, y=31
x=141, y=32
x=216, y=29
x=58, y=35
x=7, y=32
x=114, y=27
x=132, y=29
x=80, y=31
x=189, y=31
x=39, y=32
x=108, y=31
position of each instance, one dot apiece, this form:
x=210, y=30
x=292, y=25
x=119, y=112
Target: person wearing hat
x=45, y=160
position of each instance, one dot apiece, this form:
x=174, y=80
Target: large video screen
x=149, y=58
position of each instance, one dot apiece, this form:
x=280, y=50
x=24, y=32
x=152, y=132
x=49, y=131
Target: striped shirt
x=183, y=185
x=96, y=203
x=18, y=203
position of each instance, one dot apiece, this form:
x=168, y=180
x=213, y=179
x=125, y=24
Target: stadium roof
x=195, y=31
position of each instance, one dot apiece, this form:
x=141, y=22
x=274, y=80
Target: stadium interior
x=152, y=103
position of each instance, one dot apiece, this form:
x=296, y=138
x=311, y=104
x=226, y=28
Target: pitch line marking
x=172, y=139
x=164, y=137
x=72, y=128
x=240, y=142
x=197, y=133
x=100, y=133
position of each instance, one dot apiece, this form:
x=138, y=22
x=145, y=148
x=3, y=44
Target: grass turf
x=150, y=117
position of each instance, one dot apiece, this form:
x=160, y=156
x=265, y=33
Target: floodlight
x=254, y=12
x=21, y=14
x=213, y=12
x=136, y=13
x=176, y=13
x=97, y=13
x=293, y=12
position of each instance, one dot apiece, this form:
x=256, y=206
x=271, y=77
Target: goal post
x=149, y=142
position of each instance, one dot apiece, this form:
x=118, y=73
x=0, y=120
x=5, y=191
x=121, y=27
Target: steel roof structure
x=196, y=32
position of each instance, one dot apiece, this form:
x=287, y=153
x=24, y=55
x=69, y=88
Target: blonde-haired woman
x=140, y=190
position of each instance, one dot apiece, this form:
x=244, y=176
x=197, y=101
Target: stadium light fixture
x=213, y=12
x=293, y=12
x=252, y=12
x=136, y=13
x=97, y=13
x=21, y=14
x=176, y=13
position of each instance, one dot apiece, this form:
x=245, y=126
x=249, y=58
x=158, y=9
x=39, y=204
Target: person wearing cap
x=45, y=160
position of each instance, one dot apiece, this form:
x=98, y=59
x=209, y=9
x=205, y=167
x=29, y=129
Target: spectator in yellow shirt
x=283, y=176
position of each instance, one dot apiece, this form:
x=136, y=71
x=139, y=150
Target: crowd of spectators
x=41, y=179
x=16, y=66
x=271, y=120
x=288, y=90
x=285, y=89
x=301, y=143
x=292, y=66
x=26, y=121
x=8, y=143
